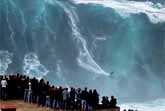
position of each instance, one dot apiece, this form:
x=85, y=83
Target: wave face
x=116, y=47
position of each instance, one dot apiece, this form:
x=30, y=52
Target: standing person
x=72, y=98
x=42, y=93
x=54, y=97
x=48, y=104
x=65, y=98
x=26, y=86
x=78, y=99
x=90, y=100
x=51, y=92
x=34, y=89
x=113, y=102
x=84, y=96
x=95, y=98
x=59, y=97
x=4, y=88
x=30, y=92
x=0, y=85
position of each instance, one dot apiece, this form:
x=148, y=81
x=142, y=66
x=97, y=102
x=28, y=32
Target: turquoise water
x=116, y=47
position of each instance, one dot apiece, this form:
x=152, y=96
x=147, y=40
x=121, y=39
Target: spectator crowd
x=40, y=92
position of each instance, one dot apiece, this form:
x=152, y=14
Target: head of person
x=4, y=77
x=85, y=88
x=112, y=97
x=90, y=91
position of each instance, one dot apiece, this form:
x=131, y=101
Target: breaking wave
x=155, y=12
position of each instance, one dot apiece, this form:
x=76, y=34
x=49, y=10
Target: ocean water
x=156, y=105
x=115, y=46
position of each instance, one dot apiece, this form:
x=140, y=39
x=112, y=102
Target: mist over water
x=116, y=47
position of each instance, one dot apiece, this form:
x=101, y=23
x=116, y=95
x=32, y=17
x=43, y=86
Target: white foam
x=5, y=60
x=156, y=105
x=155, y=12
x=84, y=59
x=32, y=66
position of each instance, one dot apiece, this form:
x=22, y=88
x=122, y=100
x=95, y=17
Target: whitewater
x=156, y=105
x=155, y=12
x=38, y=39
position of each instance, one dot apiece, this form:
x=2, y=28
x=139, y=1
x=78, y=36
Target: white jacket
x=3, y=83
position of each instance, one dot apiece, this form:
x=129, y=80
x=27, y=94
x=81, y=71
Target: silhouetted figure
x=34, y=91
x=113, y=102
x=65, y=98
x=59, y=97
x=47, y=89
x=90, y=100
x=0, y=85
x=95, y=98
x=78, y=99
x=84, y=96
x=4, y=88
x=55, y=90
x=30, y=92
x=26, y=86
x=105, y=102
x=42, y=93
x=72, y=98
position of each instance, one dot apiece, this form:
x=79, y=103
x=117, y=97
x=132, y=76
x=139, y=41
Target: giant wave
x=114, y=46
